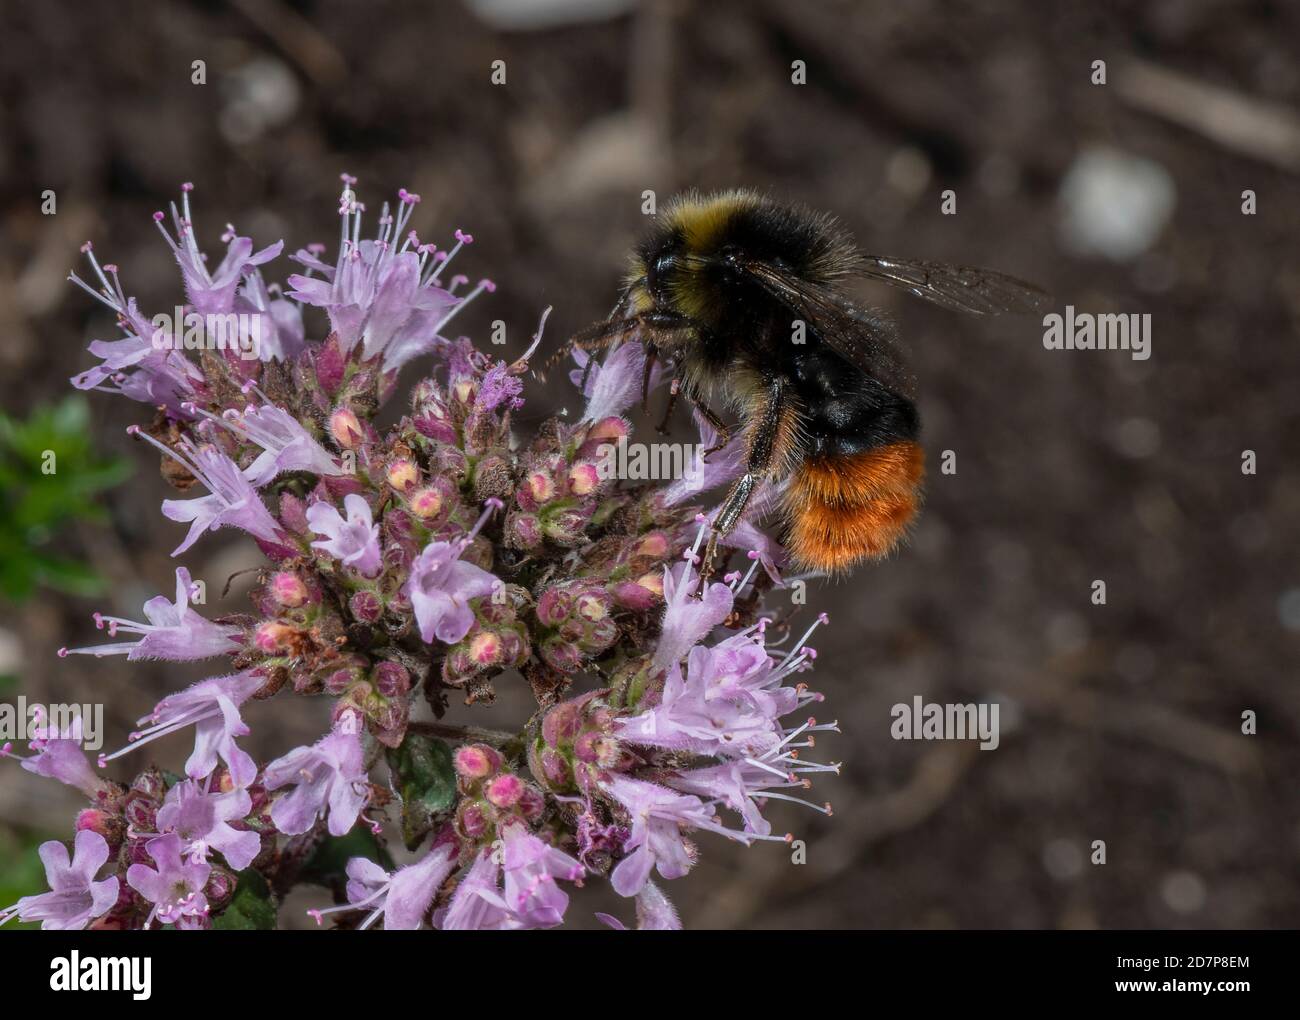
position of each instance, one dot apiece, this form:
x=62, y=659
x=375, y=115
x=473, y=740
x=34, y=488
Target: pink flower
x=477, y=904
x=654, y=912
x=353, y=541
x=202, y=820
x=212, y=708
x=440, y=587
x=210, y=292
x=174, y=886
x=233, y=501
x=75, y=898
x=744, y=785
x=531, y=867
x=279, y=319
x=401, y=899
x=531, y=897
x=59, y=755
x=383, y=294
x=658, y=819
x=174, y=631
x=707, y=470
x=133, y=365
x=286, y=444
x=688, y=620
x=732, y=695
x=615, y=385
x=329, y=777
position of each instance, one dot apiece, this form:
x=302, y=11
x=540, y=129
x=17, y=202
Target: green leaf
x=251, y=908
x=426, y=782
x=35, y=506
x=66, y=575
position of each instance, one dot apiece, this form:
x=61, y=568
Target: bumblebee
x=743, y=295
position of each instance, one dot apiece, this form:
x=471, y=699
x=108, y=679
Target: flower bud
x=293, y=514
x=458, y=667
x=560, y=654
x=653, y=582
x=476, y=761
x=584, y=479
x=654, y=545
x=493, y=478
x=424, y=391
x=426, y=504
x=288, y=589
x=434, y=427
x=471, y=820
x=600, y=635
x=338, y=681
x=449, y=461
x=552, y=769
x=554, y=607
x=366, y=607
x=389, y=717
x=95, y=820
x=220, y=888
x=150, y=783
x=485, y=649
x=523, y=531
x=402, y=474
x=540, y=487
x=608, y=430
x=345, y=429
x=532, y=804
x=273, y=637
x=391, y=679
x=631, y=595
x=504, y=791
x=593, y=606
x=566, y=527
x=463, y=390
x=140, y=812
x=329, y=364
x=562, y=723
x=514, y=646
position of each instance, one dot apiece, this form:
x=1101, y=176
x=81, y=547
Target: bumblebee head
x=691, y=262
x=681, y=263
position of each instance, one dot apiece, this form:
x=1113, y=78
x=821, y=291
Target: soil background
x=1121, y=722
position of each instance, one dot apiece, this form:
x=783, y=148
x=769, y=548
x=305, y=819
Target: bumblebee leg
x=719, y=426
x=673, y=388
x=651, y=356
x=593, y=338
x=764, y=437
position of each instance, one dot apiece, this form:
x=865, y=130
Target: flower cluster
x=409, y=565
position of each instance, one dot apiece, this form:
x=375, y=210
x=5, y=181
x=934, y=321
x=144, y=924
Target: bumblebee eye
x=658, y=271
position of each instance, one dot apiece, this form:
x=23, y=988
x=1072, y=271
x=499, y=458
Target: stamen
x=483, y=285
x=489, y=507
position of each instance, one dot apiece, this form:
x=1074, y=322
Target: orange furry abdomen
x=843, y=510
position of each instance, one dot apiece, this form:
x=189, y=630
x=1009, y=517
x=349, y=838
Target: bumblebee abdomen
x=846, y=410
x=843, y=509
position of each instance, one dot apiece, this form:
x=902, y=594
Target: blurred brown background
x=1120, y=722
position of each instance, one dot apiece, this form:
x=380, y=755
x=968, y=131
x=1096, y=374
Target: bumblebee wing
x=860, y=336
x=960, y=288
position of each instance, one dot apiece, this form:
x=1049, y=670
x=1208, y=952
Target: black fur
x=845, y=410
